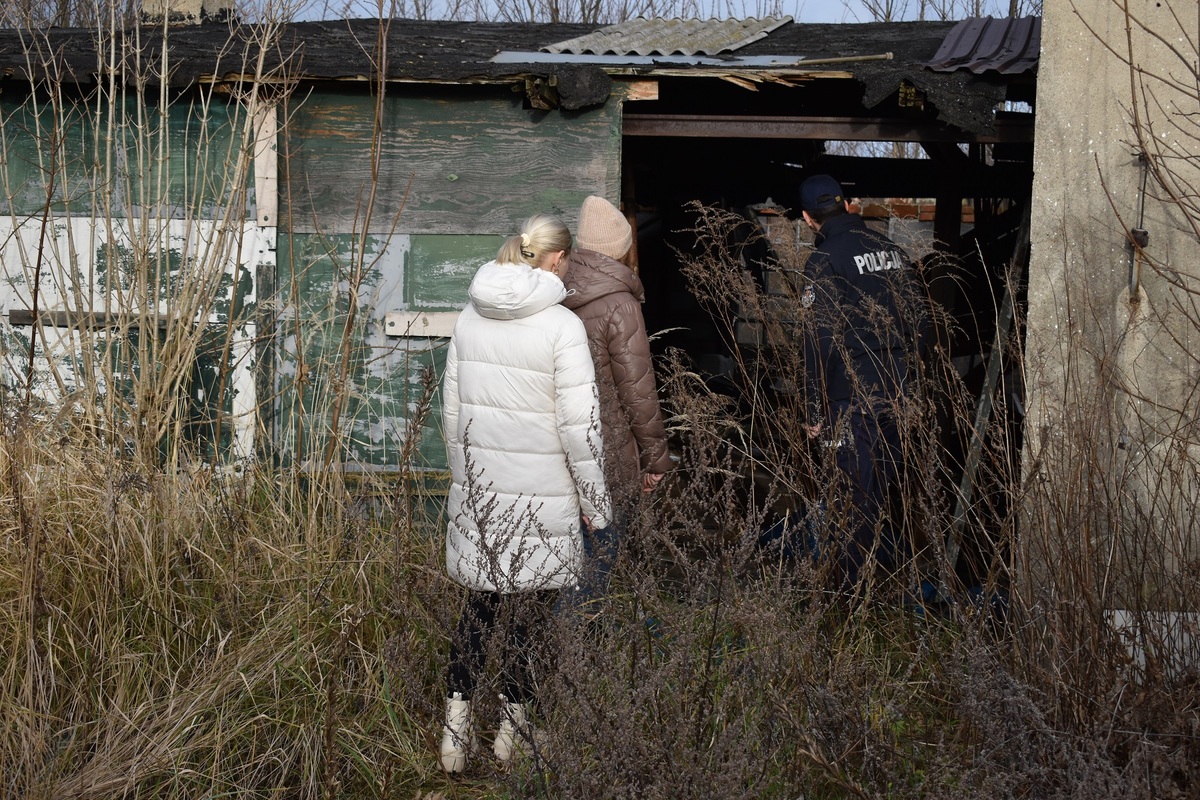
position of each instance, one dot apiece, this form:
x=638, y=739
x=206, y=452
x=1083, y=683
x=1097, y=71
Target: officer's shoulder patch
x=808, y=297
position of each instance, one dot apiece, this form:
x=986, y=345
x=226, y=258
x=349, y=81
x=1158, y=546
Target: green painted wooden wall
x=110, y=208
x=455, y=171
x=98, y=157
x=458, y=161
x=386, y=205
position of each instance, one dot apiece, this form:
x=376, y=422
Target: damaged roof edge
x=1009, y=46
x=615, y=62
x=879, y=56
x=571, y=88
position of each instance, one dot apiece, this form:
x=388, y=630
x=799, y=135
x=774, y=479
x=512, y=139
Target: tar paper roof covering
x=666, y=37
x=449, y=52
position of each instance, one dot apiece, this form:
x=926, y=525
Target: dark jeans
x=514, y=626
x=601, y=548
x=868, y=458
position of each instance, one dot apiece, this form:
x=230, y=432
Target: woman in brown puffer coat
x=607, y=296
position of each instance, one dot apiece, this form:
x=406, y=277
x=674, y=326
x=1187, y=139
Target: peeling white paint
x=72, y=277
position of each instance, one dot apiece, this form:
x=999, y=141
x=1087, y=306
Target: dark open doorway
x=956, y=199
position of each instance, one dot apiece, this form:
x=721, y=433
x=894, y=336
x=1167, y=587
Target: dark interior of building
x=741, y=154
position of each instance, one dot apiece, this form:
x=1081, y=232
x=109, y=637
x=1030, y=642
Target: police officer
x=862, y=343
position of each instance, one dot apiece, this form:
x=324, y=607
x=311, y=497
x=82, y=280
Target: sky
x=829, y=11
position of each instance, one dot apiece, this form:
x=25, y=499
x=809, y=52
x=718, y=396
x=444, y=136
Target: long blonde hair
x=540, y=234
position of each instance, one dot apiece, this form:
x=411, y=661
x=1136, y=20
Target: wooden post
x=629, y=206
x=953, y=167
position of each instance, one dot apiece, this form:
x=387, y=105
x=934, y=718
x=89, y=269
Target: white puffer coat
x=522, y=423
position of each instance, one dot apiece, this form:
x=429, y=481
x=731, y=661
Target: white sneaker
x=514, y=728
x=458, y=735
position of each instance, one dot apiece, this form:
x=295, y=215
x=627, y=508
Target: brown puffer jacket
x=607, y=296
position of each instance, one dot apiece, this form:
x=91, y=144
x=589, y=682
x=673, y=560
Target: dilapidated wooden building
x=311, y=199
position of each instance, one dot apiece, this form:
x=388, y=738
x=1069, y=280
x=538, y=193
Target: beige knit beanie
x=603, y=228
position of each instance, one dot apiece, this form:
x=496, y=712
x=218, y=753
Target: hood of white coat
x=513, y=291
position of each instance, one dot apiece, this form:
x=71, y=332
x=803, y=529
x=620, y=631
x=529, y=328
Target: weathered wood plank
x=131, y=268
x=378, y=372
x=342, y=376
x=466, y=160
x=421, y=324
x=439, y=269
x=89, y=159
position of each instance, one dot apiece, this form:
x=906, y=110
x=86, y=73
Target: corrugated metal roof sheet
x=1009, y=46
x=666, y=37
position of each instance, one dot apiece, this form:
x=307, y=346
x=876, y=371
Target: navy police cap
x=820, y=192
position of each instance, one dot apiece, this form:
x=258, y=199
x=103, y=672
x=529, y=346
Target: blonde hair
x=540, y=234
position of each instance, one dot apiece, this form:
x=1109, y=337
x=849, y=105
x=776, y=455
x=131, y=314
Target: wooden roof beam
x=854, y=129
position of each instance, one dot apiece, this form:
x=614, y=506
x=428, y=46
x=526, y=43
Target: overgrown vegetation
x=178, y=619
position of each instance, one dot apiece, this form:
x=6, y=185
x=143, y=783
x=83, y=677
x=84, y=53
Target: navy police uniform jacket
x=865, y=319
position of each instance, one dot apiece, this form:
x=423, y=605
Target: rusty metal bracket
x=1139, y=237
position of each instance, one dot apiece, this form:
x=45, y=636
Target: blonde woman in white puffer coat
x=522, y=423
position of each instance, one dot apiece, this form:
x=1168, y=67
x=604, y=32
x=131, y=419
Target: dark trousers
x=514, y=627
x=601, y=548
x=868, y=457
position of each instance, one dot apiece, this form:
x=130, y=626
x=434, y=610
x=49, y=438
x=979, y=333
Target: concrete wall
x=1112, y=436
